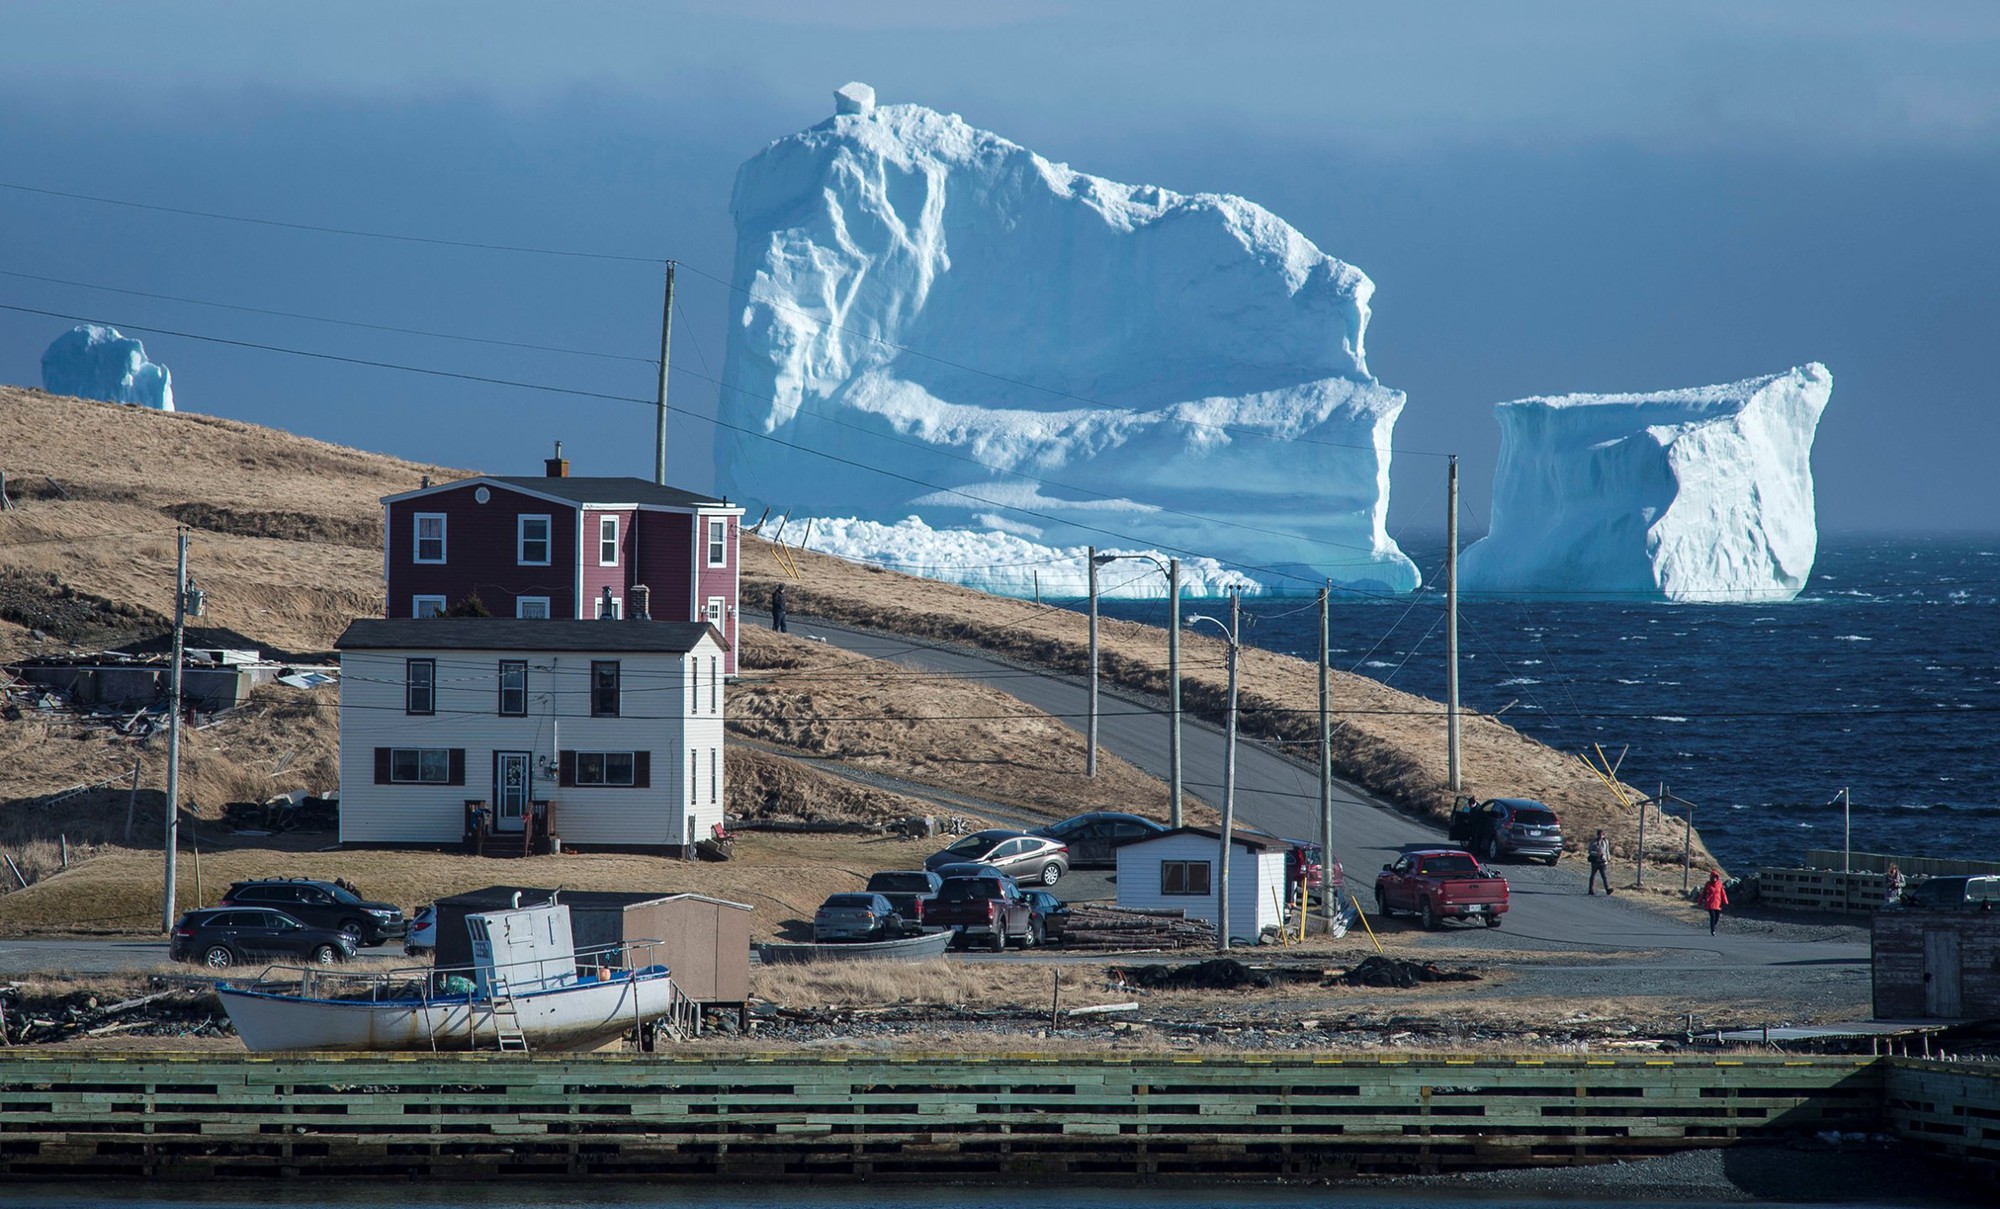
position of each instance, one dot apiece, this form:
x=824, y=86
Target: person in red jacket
x=1714, y=898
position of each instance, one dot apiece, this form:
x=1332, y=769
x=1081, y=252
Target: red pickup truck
x=1439, y=884
x=987, y=908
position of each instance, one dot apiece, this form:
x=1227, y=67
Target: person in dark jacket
x=778, y=608
x=1714, y=898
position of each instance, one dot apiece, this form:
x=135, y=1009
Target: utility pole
x=183, y=598
x=1090, y=730
x=1174, y=691
x=1451, y=628
x=1229, y=773
x=1846, y=831
x=1327, y=906
x=666, y=342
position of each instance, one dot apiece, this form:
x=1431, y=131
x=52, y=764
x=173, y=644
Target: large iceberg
x=1686, y=495
x=93, y=362
x=941, y=322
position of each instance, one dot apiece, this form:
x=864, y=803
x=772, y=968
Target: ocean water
x=1881, y=678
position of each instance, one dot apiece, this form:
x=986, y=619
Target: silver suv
x=1501, y=827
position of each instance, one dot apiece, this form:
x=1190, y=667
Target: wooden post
x=64, y=838
x=195, y=837
x=132, y=802
x=1055, y=999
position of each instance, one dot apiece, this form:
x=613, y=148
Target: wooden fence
x=913, y=1117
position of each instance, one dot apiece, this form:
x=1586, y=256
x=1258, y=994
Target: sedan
x=856, y=917
x=1051, y=915
x=1018, y=854
x=1094, y=838
x=220, y=937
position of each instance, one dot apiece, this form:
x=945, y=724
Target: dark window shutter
x=456, y=775
x=566, y=769
x=381, y=766
x=642, y=770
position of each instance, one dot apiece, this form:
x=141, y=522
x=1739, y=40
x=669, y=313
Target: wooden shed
x=1937, y=965
x=1176, y=869
x=704, y=941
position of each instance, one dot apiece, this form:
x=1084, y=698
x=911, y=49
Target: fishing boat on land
x=527, y=989
x=908, y=948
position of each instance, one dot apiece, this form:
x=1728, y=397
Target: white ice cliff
x=936, y=321
x=1685, y=495
x=93, y=362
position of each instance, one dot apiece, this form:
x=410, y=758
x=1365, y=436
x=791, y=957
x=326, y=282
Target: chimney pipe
x=605, y=608
x=640, y=598
x=556, y=467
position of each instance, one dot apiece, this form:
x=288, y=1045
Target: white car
x=422, y=936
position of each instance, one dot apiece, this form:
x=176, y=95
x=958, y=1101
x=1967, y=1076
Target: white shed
x=1177, y=869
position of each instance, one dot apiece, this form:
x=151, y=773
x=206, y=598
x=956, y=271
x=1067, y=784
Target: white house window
x=714, y=778
x=534, y=608
x=604, y=768
x=532, y=541
x=604, y=688
x=427, y=606
x=694, y=777
x=513, y=688
x=718, y=543
x=420, y=686
x=1184, y=877
x=420, y=765
x=714, y=685
x=609, y=606
x=430, y=537
x=607, y=541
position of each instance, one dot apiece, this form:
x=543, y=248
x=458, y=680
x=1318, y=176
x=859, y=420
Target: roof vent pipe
x=556, y=467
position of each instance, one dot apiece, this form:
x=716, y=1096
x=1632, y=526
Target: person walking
x=1714, y=898
x=1892, y=885
x=778, y=609
x=1600, y=863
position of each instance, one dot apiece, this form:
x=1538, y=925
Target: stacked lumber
x=1096, y=926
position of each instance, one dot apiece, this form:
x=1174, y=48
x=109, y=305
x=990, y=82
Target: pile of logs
x=176, y=1011
x=1095, y=926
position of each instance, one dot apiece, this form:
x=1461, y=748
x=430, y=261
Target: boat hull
x=582, y=1015
x=908, y=948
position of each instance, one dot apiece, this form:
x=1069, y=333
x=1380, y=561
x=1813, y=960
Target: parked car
x=966, y=869
x=1500, y=827
x=1018, y=854
x=909, y=892
x=1954, y=893
x=1439, y=884
x=219, y=937
x=858, y=916
x=1305, y=861
x=421, y=939
x=1094, y=839
x=323, y=905
x=1051, y=912
x=986, y=908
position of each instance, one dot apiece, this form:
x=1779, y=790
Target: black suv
x=219, y=937
x=323, y=905
x=1503, y=827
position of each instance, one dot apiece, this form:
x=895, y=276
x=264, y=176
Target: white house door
x=511, y=786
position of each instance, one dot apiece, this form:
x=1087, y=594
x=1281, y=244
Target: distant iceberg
x=1685, y=495
x=93, y=362
x=1006, y=565
x=941, y=322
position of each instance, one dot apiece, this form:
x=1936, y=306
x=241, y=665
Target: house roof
x=589, y=491
x=523, y=634
x=1254, y=841
x=493, y=898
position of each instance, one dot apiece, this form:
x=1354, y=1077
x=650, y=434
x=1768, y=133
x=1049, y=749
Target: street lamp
x=1172, y=570
x=1230, y=633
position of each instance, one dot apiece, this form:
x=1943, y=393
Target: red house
x=558, y=547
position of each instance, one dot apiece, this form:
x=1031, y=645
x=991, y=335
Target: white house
x=599, y=733
x=1176, y=869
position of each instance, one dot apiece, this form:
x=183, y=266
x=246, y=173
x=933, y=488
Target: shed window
x=1184, y=877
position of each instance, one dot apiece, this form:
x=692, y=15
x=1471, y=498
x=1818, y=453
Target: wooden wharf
x=948, y=1117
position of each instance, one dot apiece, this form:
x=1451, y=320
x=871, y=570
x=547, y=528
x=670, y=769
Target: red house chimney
x=556, y=467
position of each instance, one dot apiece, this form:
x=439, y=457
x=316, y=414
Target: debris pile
x=1094, y=926
x=176, y=1011
x=293, y=811
x=1379, y=971
x=1216, y=974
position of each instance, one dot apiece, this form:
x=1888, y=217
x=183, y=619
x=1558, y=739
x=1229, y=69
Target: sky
x=1549, y=197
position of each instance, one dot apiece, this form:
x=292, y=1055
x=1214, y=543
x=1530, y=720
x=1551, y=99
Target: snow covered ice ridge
x=1017, y=348
x=1701, y=495
x=1006, y=565
x=93, y=362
